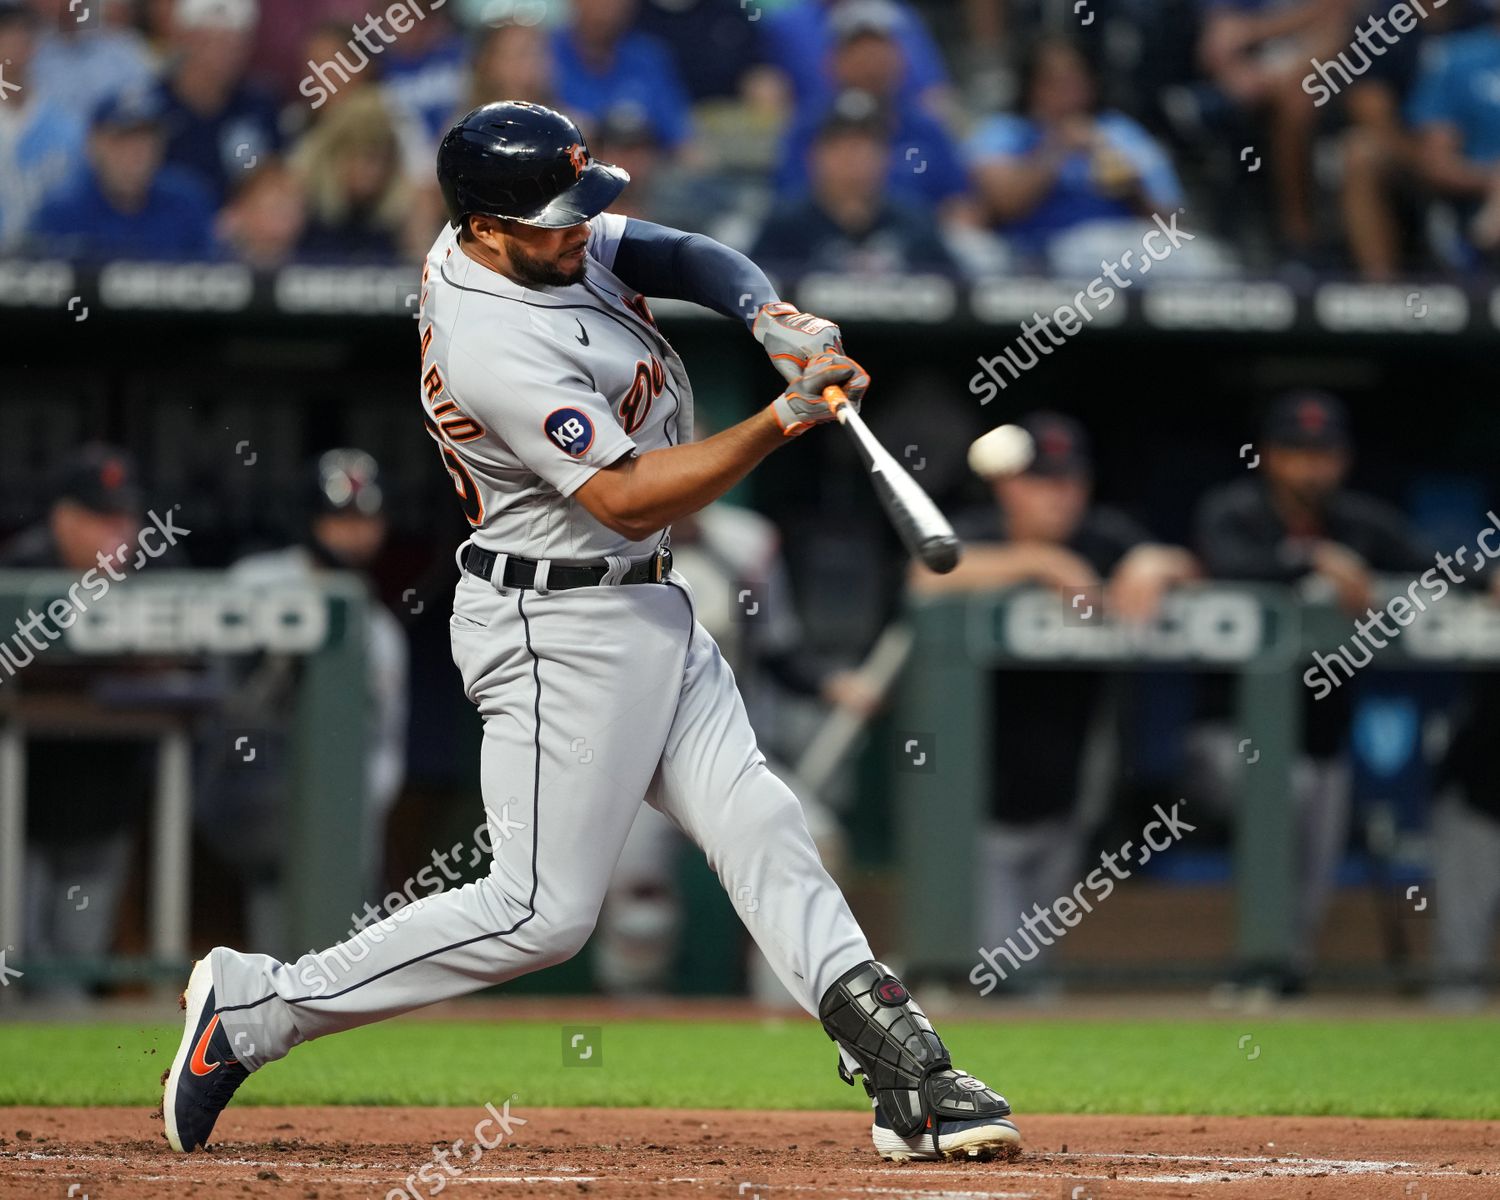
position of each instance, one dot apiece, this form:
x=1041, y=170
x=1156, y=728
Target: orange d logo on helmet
x=579, y=157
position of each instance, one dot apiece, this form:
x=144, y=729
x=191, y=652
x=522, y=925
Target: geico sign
x=1205, y=626
x=1458, y=629
x=164, y=619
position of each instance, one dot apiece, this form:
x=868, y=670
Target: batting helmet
x=525, y=163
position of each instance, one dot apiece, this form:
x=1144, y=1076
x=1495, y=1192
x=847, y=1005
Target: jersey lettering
x=650, y=378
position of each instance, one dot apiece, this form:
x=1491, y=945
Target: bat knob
x=941, y=554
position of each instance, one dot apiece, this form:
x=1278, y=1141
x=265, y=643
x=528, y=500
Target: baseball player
x=564, y=417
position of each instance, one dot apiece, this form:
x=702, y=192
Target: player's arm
x=642, y=493
x=674, y=264
x=660, y=261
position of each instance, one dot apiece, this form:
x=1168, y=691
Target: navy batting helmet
x=525, y=163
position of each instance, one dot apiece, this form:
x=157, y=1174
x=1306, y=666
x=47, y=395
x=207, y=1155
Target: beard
x=535, y=271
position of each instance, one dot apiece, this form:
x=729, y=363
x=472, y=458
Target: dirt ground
x=338, y=1153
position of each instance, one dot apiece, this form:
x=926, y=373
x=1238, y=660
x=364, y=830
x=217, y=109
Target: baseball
x=1004, y=450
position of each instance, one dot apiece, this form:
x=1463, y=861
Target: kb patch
x=570, y=430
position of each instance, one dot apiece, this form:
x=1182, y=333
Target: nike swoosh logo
x=583, y=334
x=199, y=1064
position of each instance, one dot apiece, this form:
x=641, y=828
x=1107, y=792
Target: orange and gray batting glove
x=802, y=406
x=791, y=337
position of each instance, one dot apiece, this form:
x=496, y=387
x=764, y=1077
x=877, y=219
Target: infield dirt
x=339, y=1153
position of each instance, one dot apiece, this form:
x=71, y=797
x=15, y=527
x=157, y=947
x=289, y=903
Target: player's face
x=545, y=257
x=1310, y=476
x=849, y=163
x=127, y=159
x=82, y=534
x=17, y=42
x=1043, y=508
x=351, y=537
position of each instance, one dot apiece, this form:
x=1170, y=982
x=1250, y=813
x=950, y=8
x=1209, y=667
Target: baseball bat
x=923, y=529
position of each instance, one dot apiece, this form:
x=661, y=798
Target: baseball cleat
x=205, y=1073
x=981, y=1137
x=981, y=1140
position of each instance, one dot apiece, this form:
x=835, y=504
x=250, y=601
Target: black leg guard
x=907, y=1070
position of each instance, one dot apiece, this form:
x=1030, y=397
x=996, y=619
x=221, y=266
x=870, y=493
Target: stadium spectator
x=345, y=531
x=1062, y=166
x=422, y=74
x=512, y=61
x=718, y=52
x=359, y=200
x=1292, y=521
x=848, y=221
x=218, y=124
x=128, y=204
x=1379, y=158
x=86, y=794
x=334, y=71
x=602, y=63
x=927, y=166
x=263, y=223
x=1456, y=111
x=41, y=141
x=657, y=192
x=1044, y=528
x=278, y=62
x=1382, y=195
x=80, y=63
x=1256, y=53
x=801, y=40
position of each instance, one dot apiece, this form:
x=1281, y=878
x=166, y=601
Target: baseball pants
x=592, y=699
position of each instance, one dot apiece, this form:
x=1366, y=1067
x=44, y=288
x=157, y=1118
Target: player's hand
x=802, y=406
x=1350, y=575
x=791, y=338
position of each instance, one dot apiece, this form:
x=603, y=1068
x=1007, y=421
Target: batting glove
x=802, y=406
x=791, y=338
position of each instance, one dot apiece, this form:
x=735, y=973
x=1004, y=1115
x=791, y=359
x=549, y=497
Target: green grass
x=1437, y=1068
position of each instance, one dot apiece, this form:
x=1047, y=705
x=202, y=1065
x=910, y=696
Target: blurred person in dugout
x=345, y=530
x=742, y=595
x=85, y=795
x=1292, y=521
x=1045, y=528
x=1466, y=848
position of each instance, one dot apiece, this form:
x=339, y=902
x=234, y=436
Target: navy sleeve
x=663, y=262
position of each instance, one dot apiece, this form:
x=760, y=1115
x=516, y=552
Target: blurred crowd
x=970, y=136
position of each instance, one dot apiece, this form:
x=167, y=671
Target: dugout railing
x=170, y=622
x=1262, y=635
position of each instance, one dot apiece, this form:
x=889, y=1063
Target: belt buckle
x=661, y=565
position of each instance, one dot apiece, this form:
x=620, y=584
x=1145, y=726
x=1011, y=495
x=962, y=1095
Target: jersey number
x=454, y=426
x=649, y=380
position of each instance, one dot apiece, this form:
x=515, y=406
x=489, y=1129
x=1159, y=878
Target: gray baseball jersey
x=528, y=392
x=593, y=698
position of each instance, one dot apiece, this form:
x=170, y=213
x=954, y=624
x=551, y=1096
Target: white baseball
x=1004, y=450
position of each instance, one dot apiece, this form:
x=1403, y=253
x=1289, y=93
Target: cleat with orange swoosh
x=205, y=1073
